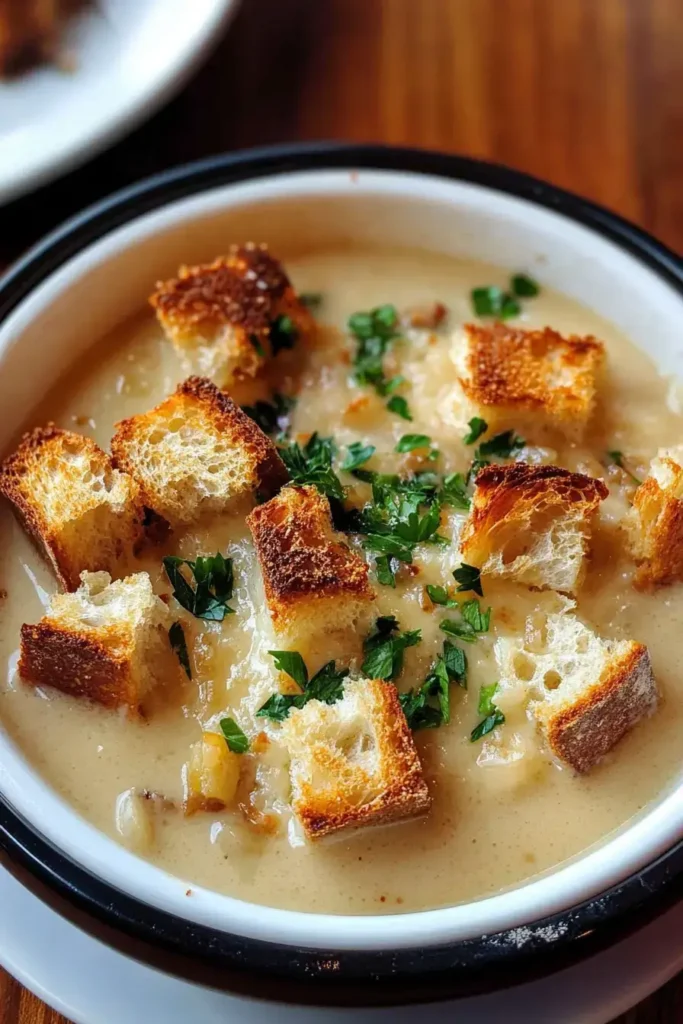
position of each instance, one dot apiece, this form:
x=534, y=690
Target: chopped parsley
x=397, y=404
x=312, y=464
x=523, y=286
x=500, y=446
x=384, y=648
x=468, y=577
x=439, y=595
x=473, y=621
x=492, y=715
x=311, y=300
x=454, y=492
x=327, y=685
x=618, y=459
x=213, y=576
x=283, y=334
x=411, y=442
x=357, y=454
x=176, y=636
x=272, y=417
x=429, y=706
x=386, y=568
x=477, y=426
x=374, y=331
x=234, y=737
x=258, y=347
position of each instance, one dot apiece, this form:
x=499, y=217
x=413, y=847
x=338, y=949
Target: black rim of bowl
x=271, y=970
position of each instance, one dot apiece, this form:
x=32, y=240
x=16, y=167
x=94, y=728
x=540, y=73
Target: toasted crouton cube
x=197, y=454
x=226, y=318
x=107, y=642
x=529, y=381
x=212, y=775
x=532, y=524
x=313, y=582
x=585, y=692
x=80, y=511
x=654, y=525
x=353, y=763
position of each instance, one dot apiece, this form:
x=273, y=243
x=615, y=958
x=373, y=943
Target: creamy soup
x=498, y=818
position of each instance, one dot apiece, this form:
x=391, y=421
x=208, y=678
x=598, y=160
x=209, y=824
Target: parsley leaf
x=493, y=716
x=374, y=331
x=501, y=446
x=311, y=300
x=326, y=685
x=272, y=416
x=468, y=577
x=214, y=579
x=283, y=333
x=523, y=286
x=411, y=442
x=492, y=301
x=384, y=647
x=449, y=667
x=618, y=459
x=312, y=464
x=455, y=661
x=477, y=426
x=439, y=595
x=357, y=455
x=459, y=628
x=472, y=614
x=393, y=524
x=176, y=636
x=234, y=737
x=385, y=570
x=397, y=404
x=419, y=714
x=454, y=492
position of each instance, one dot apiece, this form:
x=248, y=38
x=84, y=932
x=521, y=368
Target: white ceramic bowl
x=97, y=271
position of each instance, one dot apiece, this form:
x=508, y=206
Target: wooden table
x=585, y=93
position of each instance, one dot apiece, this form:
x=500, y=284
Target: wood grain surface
x=585, y=93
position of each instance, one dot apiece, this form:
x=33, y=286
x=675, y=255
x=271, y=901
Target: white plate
x=47, y=954
x=130, y=56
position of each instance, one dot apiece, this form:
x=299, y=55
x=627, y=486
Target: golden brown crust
x=29, y=31
x=246, y=290
x=582, y=734
x=508, y=493
x=300, y=555
x=657, y=534
x=527, y=370
x=223, y=416
x=404, y=793
x=77, y=664
x=18, y=476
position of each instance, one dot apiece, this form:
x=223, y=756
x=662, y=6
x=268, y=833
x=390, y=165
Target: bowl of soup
x=419, y=735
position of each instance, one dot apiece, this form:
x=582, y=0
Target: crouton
x=529, y=381
x=211, y=777
x=313, y=582
x=584, y=692
x=80, y=511
x=197, y=454
x=353, y=763
x=654, y=524
x=107, y=642
x=224, y=318
x=532, y=524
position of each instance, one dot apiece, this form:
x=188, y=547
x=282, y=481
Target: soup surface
x=498, y=818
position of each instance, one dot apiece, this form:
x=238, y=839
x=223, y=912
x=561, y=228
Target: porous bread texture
x=107, y=642
x=532, y=524
x=531, y=381
x=197, y=454
x=353, y=763
x=313, y=582
x=80, y=511
x=654, y=524
x=219, y=315
x=584, y=692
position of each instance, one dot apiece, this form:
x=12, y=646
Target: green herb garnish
x=418, y=705
x=327, y=685
x=357, y=454
x=472, y=623
x=493, y=716
x=258, y=347
x=374, y=331
x=618, y=459
x=283, y=333
x=454, y=492
x=493, y=301
x=500, y=446
x=176, y=636
x=439, y=595
x=312, y=464
x=523, y=286
x=311, y=300
x=385, y=569
x=234, y=737
x=477, y=426
x=398, y=405
x=384, y=648
x=213, y=576
x=272, y=417
x=411, y=442
x=468, y=577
